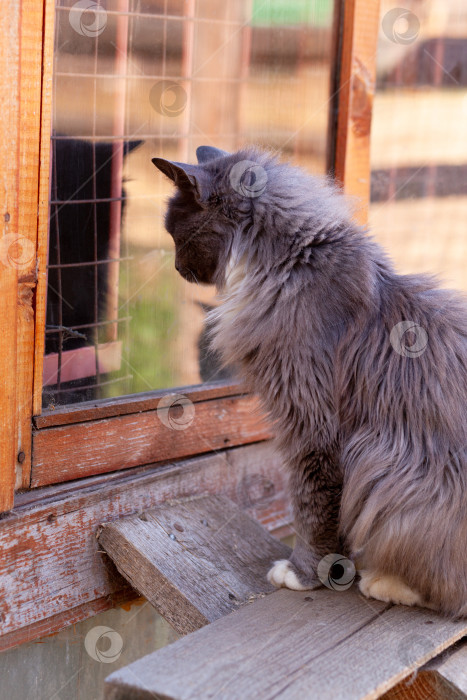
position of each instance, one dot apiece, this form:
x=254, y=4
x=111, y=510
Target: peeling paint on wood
x=52, y=570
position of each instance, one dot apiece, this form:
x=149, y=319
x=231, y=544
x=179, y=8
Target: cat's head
x=247, y=207
x=213, y=200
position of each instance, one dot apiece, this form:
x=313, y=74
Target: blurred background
x=138, y=78
x=418, y=208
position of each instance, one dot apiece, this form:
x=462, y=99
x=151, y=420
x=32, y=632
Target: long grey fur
x=373, y=434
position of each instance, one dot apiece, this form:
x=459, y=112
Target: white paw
x=387, y=588
x=281, y=574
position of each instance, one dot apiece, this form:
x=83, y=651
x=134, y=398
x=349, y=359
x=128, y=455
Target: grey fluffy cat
x=362, y=370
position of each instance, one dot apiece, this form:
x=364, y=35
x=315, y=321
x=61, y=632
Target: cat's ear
x=206, y=153
x=187, y=177
x=129, y=146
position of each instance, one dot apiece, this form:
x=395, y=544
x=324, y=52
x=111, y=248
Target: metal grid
x=102, y=324
x=69, y=337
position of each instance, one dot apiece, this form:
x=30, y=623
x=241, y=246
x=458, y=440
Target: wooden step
x=319, y=645
x=195, y=560
x=204, y=560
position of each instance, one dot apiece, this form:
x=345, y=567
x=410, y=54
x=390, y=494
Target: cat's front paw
x=283, y=574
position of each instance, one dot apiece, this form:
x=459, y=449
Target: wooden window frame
x=28, y=458
x=86, y=443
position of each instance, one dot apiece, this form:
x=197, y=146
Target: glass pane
x=419, y=146
x=145, y=78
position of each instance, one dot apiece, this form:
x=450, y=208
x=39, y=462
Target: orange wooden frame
x=26, y=29
x=356, y=88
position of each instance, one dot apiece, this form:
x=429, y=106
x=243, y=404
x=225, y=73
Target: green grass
x=316, y=13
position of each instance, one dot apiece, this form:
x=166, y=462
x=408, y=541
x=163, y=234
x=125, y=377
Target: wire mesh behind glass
x=138, y=78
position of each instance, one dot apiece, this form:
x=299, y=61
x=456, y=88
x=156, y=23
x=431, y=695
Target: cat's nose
x=177, y=267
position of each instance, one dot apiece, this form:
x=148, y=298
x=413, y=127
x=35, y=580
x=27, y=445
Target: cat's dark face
x=200, y=243
x=201, y=231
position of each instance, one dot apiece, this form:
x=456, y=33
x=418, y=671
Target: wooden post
x=21, y=70
x=9, y=127
x=360, y=23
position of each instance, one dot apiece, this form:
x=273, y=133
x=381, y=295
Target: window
x=101, y=311
x=145, y=78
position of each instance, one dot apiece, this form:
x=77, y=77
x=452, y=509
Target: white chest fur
x=233, y=298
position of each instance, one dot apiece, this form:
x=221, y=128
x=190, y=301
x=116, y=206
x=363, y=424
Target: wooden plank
x=10, y=18
x=442, y=678
x=453, y=670
x=28, y=193
x=95, y=447
x=419, y=686
x=43, y=200
x=319, y=644
x=194, y=560
x=52, y=569
x=131, y=403
x=21, y=70
x=355, y=103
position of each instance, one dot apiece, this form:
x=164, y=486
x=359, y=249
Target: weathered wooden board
x=451, y=673
x=315, y=645
x=195, y=560
x=21, y=26
x=421, y=685
x=52, y=569
x=95, y=447
x=442, y=678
